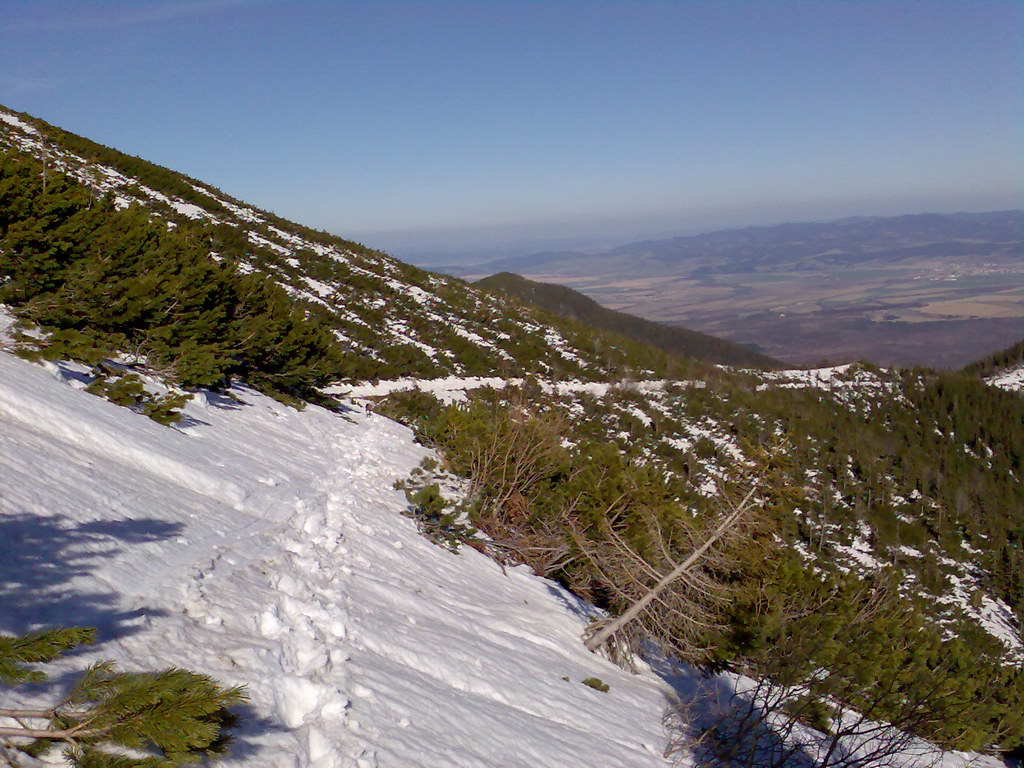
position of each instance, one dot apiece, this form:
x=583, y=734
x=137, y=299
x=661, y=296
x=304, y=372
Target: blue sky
x=448, y=125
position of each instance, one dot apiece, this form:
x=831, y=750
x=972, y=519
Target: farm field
x=913, y=290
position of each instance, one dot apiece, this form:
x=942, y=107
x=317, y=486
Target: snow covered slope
x=1011, y=379
x=265, y=546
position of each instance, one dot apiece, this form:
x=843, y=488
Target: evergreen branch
x=63, y=734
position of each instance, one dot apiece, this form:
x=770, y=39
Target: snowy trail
x=265, y=546
x=490, y=648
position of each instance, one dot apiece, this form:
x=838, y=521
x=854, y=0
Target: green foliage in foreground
x=112, y=719
x=104, y=283
x=558, y=506
x=130, y=391
x=928, y=460
x=858, y=647
x=596, y=683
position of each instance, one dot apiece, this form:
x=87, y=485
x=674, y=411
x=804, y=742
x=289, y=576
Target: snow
x=265, y=546
x=557, y=342
x=265, y=243
x=640, y=415
x=449, y=389
x=992, y=615
x=721, y=442
x=909, y=551
x=414, y=292
x=190, y=210
x=322, y=289
x=400, y=331
x=17, y=122
x=814, y=377
x=996, y=618
x=850, y=376
x=859, y=550
x=1011, y=379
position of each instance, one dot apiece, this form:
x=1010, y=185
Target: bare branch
x=596, y=640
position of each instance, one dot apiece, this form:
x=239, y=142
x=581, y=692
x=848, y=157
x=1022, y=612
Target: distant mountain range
x=806, y=246
x=926, y=289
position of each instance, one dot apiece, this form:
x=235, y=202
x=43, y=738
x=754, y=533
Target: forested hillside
x=567, y=303
x=859, y=531
x=1003, y=361
x=904, y=480
x=389, y=318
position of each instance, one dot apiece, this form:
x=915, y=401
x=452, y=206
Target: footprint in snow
x=362, y=691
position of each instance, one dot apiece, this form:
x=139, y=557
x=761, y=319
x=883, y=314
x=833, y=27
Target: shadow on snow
x=44, y=562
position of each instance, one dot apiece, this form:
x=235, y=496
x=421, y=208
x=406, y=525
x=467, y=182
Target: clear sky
x=471, y=124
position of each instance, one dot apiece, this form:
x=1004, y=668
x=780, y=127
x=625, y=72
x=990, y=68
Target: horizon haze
x=447, y=127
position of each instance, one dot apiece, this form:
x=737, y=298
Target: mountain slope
x=389, y=318
x=915, y=472
x=906, y=470
x=565, y=302
x=291, y=569
x=1009, y=378
x=843, y=242
x=265, y=546
x=1002, y=369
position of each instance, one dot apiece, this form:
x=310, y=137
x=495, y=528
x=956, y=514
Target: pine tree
x=174, y=717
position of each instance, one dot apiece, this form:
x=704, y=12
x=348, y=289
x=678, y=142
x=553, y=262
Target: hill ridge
x=395, y=318
x=565, y=302
x=952, y=226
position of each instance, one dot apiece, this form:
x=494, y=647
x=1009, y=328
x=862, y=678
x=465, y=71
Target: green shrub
x=596, y=683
